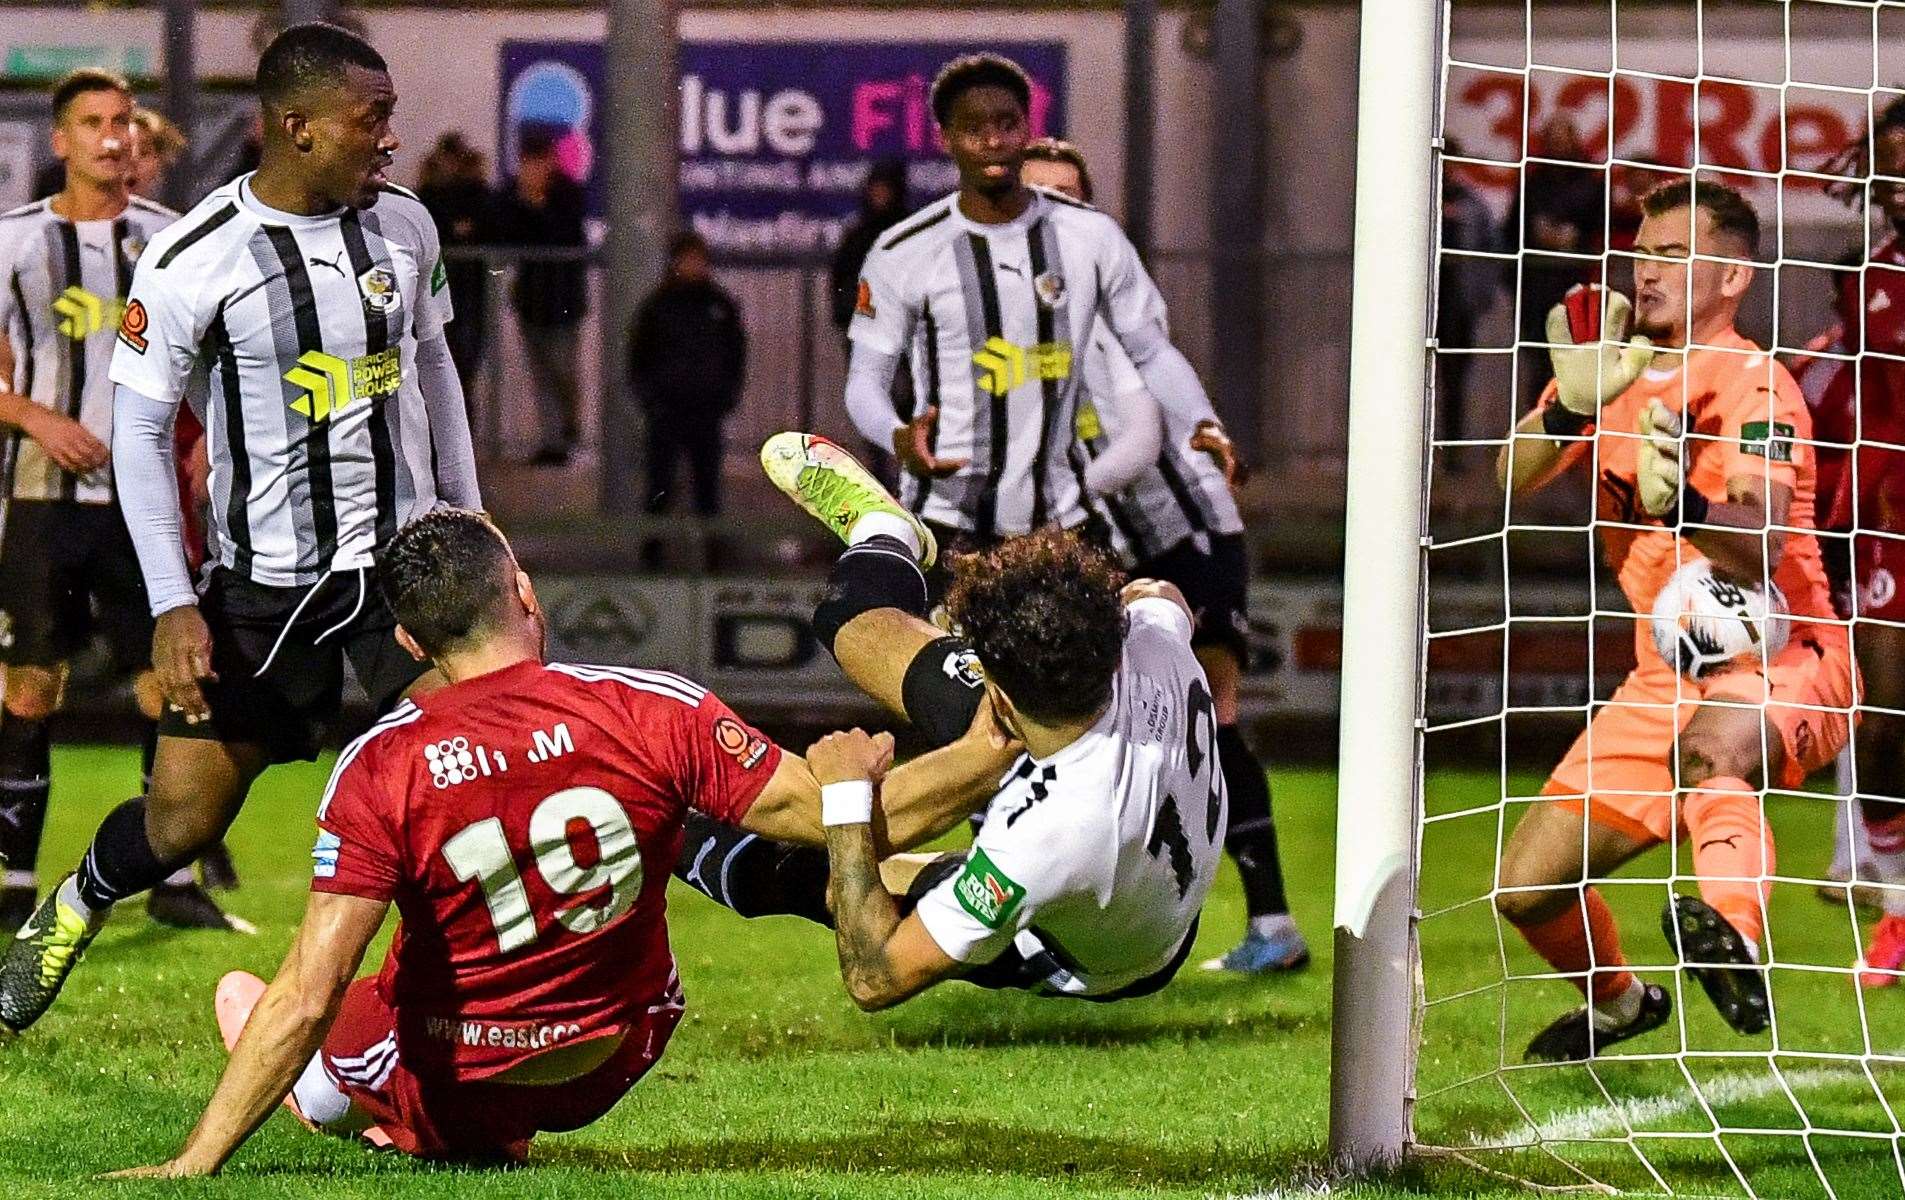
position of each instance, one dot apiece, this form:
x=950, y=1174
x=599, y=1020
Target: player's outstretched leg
x=1552, y=850
x=873, y=618
x=179, y=901
x=752, y=875
x=196, y=790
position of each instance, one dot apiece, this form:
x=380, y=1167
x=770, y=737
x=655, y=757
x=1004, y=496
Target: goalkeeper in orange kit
x=1700, y=443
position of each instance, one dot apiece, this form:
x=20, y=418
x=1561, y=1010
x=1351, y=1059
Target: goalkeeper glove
x=1657, y=472
x=1590, y=367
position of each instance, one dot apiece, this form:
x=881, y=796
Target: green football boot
x=43, y=953
x=833, y=488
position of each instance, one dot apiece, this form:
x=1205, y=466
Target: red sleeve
x=721, y=760
x=357, y=852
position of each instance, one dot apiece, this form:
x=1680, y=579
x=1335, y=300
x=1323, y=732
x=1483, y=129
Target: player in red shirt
x=523, y=820
x=1866, y=398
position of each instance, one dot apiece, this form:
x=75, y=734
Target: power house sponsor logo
x=1004, y=365
x=332, y=384
x=985, y=892
x=82, y=314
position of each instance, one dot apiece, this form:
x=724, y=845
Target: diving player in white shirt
x=1101, y=843
x=1171, y=511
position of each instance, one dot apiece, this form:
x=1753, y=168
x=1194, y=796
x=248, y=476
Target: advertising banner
x=775, y=137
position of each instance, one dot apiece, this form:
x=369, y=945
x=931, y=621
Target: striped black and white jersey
x=298, y=335
x=1099, y=857
x=1182, y=495
x=992, y=317
x=62, y=289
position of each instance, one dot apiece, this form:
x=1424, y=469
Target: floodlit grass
x=775, y=1086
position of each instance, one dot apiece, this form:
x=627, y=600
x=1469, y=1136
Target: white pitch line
x=1604, y=1120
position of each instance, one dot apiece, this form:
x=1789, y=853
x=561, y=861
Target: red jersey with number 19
x=524, y=823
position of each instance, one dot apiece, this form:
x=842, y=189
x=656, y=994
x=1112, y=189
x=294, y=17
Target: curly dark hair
x=447, y=576
x=970, y=71
x=1045, y=616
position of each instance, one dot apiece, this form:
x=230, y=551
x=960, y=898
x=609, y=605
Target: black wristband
x=1558, y=420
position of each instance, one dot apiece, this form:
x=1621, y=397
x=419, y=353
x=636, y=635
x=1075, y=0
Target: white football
x=1704, y=625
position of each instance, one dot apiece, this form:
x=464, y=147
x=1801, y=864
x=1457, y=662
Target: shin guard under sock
x=1252, y=836
x=752, y=875
x=121, y=861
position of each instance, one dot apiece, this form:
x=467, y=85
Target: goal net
x=1553, y=123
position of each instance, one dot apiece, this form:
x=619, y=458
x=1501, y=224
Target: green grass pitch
x=776, y=1087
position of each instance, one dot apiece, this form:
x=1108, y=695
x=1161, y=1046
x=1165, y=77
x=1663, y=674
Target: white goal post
x=1373, y=1037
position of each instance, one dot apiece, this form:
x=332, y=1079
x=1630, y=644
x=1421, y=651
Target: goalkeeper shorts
x=1623, y=762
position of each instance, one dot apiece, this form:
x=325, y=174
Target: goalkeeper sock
x=1583, y=948
x=1732, y=851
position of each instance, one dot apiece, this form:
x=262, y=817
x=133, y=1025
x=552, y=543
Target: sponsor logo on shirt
x=964, y=669
x=1089, y=425
x=380, y=291
x=324, y=855
x=455, y=760
x=504, y=1037
x=985, y=892
x=1772, y=440
x=439, y=278
x=82, y=314
x=863, y=300
x=132, y=327
x=1005, y=365
x=748, y=748
x=331, y=383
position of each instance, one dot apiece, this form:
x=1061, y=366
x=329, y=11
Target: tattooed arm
x=884, y=958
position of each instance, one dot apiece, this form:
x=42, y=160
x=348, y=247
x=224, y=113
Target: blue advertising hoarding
x=775, y=137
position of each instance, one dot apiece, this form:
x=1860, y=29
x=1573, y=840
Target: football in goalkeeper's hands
x=1705, y=625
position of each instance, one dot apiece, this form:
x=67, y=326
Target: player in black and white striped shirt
x=1171, y=510
x=303, y=307
x=992, y=294
x=67, y=567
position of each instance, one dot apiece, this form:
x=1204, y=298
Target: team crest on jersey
x=379, y=286
x=1050, y=288
x=962, y=667
x=132, y=327
x=747, y=748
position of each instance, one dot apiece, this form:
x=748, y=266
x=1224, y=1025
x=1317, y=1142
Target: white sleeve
x=1165, y=616
x=870, y=394
x=159, y=334
x=434, y=310
x=146, y=475
x=884, y=309
x=1136, y=425
x=1010, y=874
x=1134, y=308
x=449, y=425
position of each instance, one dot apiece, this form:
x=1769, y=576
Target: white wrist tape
x=849, y=803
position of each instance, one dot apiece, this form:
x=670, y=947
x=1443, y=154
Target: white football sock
x=876, y=524
x=1272, y=925
x=1622, y=1009
x=319, y=1099
x=69, y=896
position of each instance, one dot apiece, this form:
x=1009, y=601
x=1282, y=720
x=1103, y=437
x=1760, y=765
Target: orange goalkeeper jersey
x=1748, y=417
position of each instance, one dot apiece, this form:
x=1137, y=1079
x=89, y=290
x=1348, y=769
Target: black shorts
x=1217, y=585
x=292, y=708
x=68, y=570
x=1012, y=970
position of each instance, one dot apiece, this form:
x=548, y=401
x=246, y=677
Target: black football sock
x=1252, y=837
x=148, y=750
x=121, y=861
x=752, y=875
x=25, y=780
